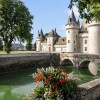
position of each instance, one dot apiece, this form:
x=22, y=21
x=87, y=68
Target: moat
x=14, y=86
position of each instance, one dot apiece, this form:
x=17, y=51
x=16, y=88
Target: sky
x=49, y=14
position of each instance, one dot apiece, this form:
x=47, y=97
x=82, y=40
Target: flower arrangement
x=56, y=85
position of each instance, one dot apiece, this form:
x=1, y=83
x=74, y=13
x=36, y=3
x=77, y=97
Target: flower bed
x=56, y=85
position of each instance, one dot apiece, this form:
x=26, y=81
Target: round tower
x=39, y=41
x=94, y=37
x=72, y=29
x=50, y=42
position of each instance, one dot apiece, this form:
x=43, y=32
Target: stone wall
x=23, y=61
x=90, y=90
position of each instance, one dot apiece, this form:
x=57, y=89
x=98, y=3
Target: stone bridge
x=79, y=60
x=76, y=59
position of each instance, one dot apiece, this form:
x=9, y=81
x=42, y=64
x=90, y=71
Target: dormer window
x=39, y=35
x=70, y=20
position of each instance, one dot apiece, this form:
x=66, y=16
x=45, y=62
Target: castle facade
x=78, y=39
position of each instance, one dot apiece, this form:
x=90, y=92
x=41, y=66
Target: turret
x=94, y=37
x=39, y=39
x=50, y=41
x=72, y=29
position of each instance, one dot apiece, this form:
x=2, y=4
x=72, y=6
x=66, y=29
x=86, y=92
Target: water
x=13, y=86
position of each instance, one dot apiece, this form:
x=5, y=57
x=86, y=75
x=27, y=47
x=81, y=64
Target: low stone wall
x=23, y=61
x=90, y=90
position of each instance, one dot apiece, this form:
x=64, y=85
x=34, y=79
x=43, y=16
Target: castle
x=84, y=39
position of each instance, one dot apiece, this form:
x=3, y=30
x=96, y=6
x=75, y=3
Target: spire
x=41, y=32
x=52, y=33
x=72, y=16
x=38, y=33
x=55, y=33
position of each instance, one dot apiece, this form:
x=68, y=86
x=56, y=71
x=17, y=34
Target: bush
x=56, y=85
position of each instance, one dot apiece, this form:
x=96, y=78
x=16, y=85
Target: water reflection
x=13, y=86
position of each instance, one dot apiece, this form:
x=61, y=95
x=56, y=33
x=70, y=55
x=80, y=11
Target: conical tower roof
x=72, y=19
x=72, y=16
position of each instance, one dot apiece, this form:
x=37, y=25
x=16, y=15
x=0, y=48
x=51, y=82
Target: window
x=85, y=41
x=68, y=31
x=68, y=41
x=74, y=41
x=85, y=48
x=76, y=36
x=63, y=40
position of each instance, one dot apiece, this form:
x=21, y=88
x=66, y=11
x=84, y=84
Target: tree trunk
x=7, y=47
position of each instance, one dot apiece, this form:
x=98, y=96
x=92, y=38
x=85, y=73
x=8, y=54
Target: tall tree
x=87, y=8
x=15, y=21
x=29, y=43
x=1, y=44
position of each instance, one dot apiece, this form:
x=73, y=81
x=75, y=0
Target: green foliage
x=46, y=34
x=87, y=8
x=29, y=43
x=1, y=45
x=56, y=85
x=16, y=22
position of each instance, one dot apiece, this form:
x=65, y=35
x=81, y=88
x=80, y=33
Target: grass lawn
x=17, y=52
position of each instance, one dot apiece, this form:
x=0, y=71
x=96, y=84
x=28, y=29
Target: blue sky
x=49, y=14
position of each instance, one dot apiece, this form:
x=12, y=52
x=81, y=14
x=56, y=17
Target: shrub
x=56, y=85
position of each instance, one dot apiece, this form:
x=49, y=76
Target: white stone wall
x=60, y=48
x=38, y=45
x=94, y=38
x=50, y=42
x=44, y=47
x=90, y=90
x=83, y=42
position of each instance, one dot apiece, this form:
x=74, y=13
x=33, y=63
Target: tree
x=15, y=21
x=1, y=45
x=34, y=46
x=46, y=34
x=29, y=43
x=88, y=9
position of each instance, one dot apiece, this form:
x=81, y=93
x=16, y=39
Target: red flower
x=49, y=76
x=39, y=77
x=53, y=86
x=46, y=82
x=62, y=80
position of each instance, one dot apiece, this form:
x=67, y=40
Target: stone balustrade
x=90, y=90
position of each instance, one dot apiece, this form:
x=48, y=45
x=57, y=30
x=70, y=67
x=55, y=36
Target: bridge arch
x=66, y=61
x=84, y=63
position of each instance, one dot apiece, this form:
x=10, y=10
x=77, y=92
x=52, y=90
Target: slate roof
x=45, y=41
x=61, y=41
